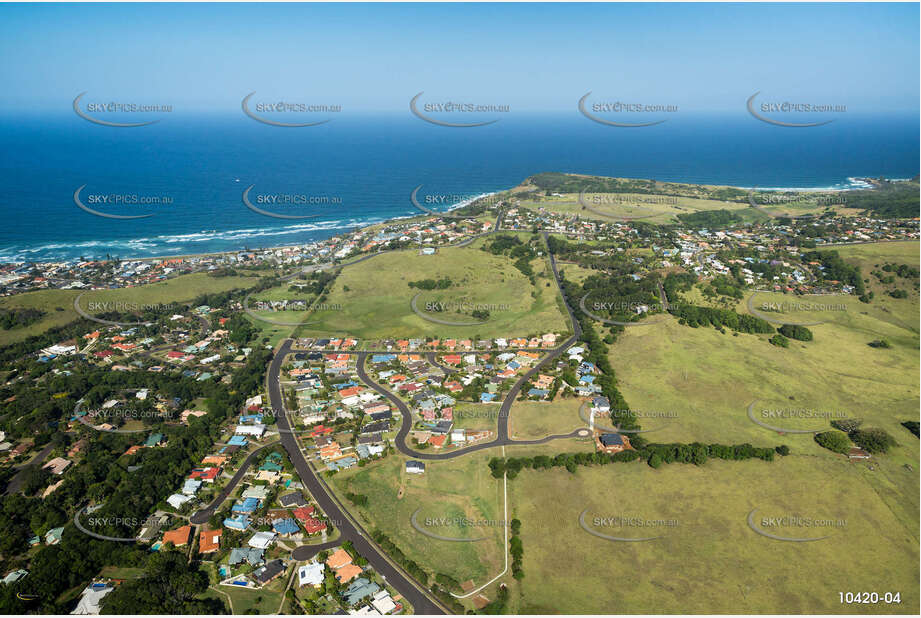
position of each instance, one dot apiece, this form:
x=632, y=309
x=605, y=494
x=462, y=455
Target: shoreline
x=862, y=184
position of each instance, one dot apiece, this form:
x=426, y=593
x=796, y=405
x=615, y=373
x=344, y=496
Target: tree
x=780, y=341
x=171, y=586
x=835, y=441
x=655, y=460
x=793, y=331
x=873, y=439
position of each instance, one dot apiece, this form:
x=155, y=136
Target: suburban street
x=502, y=437
x=413, y=591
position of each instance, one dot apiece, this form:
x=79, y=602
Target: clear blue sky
x=532, y=57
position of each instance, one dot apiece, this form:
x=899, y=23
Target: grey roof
x=270, y=570
x=376, y=427
x=249, y=554
x=611, y=439
x=292, y=499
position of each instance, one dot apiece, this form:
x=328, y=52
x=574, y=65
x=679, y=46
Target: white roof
x=90, y=600
x=177, y=500
x=311, y=574
x=261, y=540
x=383, y=603
x=252, y=430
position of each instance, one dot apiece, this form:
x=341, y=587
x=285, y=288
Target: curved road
x=414, y=591
x=502, y=438
x=201, y=516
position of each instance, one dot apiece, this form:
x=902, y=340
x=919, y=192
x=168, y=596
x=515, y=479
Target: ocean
x=362, y=170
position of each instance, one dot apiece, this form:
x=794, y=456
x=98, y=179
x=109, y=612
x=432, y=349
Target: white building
x=90, y=600
x=177, y=500
x=250, y=430
x=383, y=602
x=261, y=540
x=310, y=574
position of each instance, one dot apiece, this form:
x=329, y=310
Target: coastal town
x=249, y=448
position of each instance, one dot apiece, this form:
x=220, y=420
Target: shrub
x=800, y=333
x=847, y=425
x=780, y=341
x=873, y=440
x=835, y=441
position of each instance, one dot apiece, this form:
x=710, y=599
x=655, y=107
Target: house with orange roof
x=330, y=451
x=338, y=559
x=209, y=541
x=543, y=381
x=216, y=460
x=348, y=573
x=184, y=416
x=351, y=391
x=207, y=474
x=178, y=537
x=438, y=441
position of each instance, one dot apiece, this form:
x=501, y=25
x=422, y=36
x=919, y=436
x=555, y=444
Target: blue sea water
x=372, y=163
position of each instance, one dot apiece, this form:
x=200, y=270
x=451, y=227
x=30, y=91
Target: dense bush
x=793, y=331
x=835, y=441
x=780, y=341
x=873, y=439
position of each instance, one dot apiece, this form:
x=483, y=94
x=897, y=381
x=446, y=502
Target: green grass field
x=653, y=209
x=256, y=601
x=710, y=561
x=664, y=203
x=278, y=325
x=455, y=488
x=538, y=419
x=706, y=380
x=58, y=305
x=476, y=416
x=371, y=299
